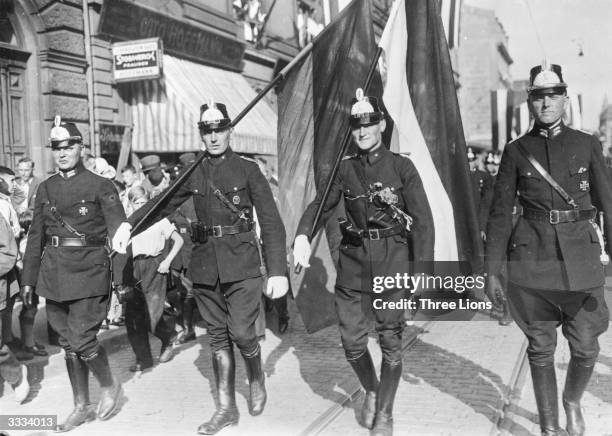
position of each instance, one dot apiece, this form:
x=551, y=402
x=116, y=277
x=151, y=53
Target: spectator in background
x=26, y=183
x=102, y=168
x=6, y=206
x=159, y=181
x=7, y=211
x=10, y=370
x=148, y=164
x=144, y=310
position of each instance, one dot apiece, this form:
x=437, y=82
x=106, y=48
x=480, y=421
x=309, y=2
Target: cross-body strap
x=540, y=169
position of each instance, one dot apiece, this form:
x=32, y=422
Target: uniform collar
x=79, y=168
x=216, y=160
x=548, y=132
x=373, y=156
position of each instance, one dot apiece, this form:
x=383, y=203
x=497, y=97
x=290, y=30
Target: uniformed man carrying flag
x=225, y=264
x=384, y=201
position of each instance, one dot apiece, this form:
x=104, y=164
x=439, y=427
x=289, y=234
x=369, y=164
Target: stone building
x=55, y=58
x=483, y=65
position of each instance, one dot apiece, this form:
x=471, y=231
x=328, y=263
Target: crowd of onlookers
x=162, y=304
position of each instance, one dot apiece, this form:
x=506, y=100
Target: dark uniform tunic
x=385, y=256
x=74, y=280
x=226, y=271
x=358, y=265
x=545, y=259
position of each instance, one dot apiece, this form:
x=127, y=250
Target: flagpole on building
x=185, y=174
x=342, y=152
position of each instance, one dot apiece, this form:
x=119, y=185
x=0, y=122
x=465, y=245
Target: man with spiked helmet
x=555, y=250
x=385, y=203
x=66, y=261
x=225, y=266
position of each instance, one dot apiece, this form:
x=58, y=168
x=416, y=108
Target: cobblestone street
x=457, y=378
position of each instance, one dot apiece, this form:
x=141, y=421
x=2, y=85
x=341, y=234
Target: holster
x=199, y=232
x=350, y=235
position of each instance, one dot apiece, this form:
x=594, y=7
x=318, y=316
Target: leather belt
x=559, y=216
x=375, y=234
x=219, y=231
x=86, y=241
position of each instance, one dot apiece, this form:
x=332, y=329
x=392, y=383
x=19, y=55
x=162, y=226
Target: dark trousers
x=77, y=323
x=582, y=315
x=355, y=310
x=10, y=370
x=137, y=322
x=230, y=311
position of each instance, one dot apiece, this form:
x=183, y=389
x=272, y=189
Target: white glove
x=121, y=238
x=301, y=251
x=277, y=286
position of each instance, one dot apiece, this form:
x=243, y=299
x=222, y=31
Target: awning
x=165, y=112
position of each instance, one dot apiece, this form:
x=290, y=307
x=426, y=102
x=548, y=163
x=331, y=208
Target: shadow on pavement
x=476, y=387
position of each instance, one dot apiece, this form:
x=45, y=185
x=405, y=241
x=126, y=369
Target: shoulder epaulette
x=349, y=156
x=250, y=159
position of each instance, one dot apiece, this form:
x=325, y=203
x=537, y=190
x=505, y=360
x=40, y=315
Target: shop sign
x=137, y=60
x=129, y=21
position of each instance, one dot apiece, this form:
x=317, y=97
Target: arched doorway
x=14, y=115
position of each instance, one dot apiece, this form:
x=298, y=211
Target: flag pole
x=185, y=174
x=339, y=156
x=343, y=149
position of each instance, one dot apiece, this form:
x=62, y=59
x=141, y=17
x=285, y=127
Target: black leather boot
x=576, y=381
x=78, y=373
x=390, y=374
x=110, y=391
x=226, y=414
x=366, y=373
x=257, y=386
x=545, y=390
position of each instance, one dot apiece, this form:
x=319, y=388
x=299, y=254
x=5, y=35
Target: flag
x=421, y=99
x=313, y=108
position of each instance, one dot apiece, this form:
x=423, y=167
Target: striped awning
x=165, y=112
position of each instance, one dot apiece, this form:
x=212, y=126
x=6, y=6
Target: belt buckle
x=553, y=216
x=217, y=232
x=374, y=234
x=55, y=241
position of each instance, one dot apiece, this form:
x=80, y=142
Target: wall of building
x=483, y=65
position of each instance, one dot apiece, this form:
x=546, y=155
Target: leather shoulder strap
x=552, y=182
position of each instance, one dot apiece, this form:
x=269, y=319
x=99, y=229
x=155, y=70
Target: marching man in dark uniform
x=383, y=196
x=556, y=251
x=66, y=261
x=225, y=264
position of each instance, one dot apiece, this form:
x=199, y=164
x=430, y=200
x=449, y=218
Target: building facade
x=483, y=63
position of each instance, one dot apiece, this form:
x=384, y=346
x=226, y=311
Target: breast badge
x=83, y=211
